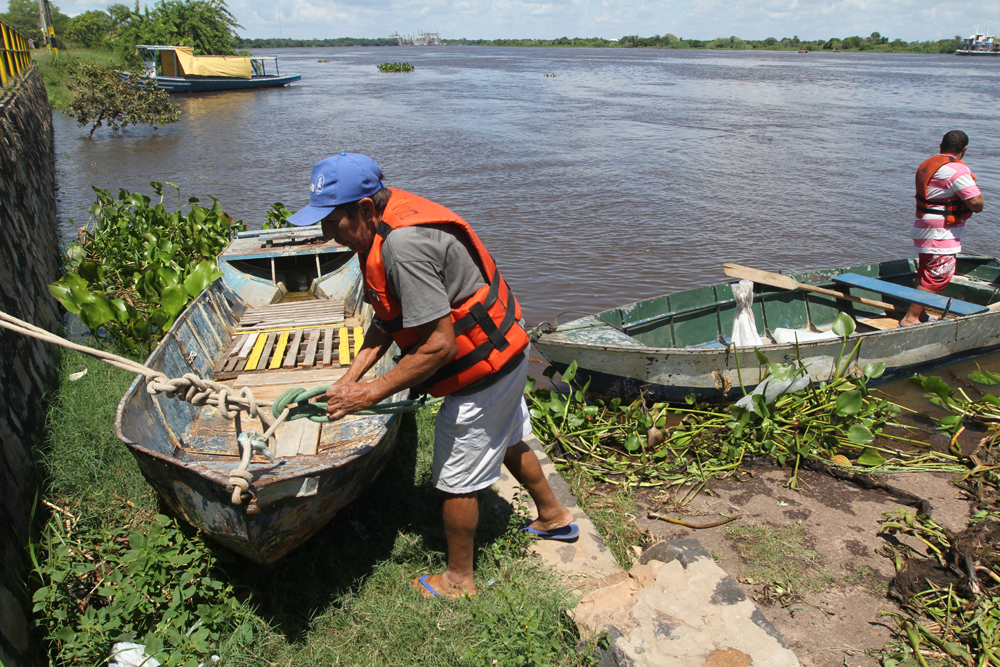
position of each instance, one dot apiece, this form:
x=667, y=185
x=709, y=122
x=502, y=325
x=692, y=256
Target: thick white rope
x=190, y=388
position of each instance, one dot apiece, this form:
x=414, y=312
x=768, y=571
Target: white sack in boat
x=744, y=326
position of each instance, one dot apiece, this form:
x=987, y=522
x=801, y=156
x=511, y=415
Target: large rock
x=679, y=609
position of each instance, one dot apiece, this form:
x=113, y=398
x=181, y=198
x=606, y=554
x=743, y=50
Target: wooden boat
x=176, y=69
x=287, y=313
x=679, y=344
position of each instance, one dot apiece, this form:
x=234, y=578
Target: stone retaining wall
x=29, y=260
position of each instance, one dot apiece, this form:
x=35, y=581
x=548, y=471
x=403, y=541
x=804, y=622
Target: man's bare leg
x=524, y=466
x=461, y=515
x=915, y=315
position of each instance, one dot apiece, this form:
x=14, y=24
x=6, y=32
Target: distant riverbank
x=875, y=42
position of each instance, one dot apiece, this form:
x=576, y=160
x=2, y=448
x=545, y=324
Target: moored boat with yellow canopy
x=176, y=69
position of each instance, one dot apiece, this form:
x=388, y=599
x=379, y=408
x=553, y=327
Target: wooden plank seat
x=298, y=348
x=910, y=294
x=293, y=314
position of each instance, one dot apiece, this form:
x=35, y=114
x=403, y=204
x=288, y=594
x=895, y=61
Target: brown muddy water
x=631, y=173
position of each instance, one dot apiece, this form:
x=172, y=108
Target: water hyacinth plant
x=395, y=67
x=138, y=265
x=790, y=418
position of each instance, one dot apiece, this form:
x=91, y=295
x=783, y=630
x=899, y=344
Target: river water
x=631, y=173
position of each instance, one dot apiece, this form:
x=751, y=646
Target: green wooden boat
x=675, y=345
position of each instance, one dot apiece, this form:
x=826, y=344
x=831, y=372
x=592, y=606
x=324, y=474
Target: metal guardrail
x=15, y=57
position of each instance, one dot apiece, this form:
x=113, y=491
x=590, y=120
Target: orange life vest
x=955, y=211
x=486, y=324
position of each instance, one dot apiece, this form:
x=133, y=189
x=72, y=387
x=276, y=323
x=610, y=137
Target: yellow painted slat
x=279, y=351
x=359, y=339
x=345, y=348
x=258, y=347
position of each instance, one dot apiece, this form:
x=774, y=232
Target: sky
x=548, y=19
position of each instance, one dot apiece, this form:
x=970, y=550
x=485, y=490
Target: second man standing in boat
x=947, y=196
x=437, y=293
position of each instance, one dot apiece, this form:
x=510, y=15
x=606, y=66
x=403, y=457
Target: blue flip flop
x=566, y=533
x=423, y=582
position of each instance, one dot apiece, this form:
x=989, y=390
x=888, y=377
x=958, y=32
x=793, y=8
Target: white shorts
x=472, y=433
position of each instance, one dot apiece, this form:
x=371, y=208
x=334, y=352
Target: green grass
x=343, y=598
x=610, y=512
x=778, y=556
x=86, y=465
x=55, y=70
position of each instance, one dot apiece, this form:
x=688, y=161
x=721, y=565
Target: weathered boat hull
x=294, y=497
x=617, y=364
x=290, y=509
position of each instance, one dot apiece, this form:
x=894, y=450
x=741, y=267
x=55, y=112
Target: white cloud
x=698, y=19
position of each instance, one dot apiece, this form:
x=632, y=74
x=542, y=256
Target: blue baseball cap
x=338, y=180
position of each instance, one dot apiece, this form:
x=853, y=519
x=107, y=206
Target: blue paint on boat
x=909, y=294
x=176, y=84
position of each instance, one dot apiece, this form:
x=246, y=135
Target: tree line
x=284, y=42
x=210, y=28
x=207, y=25
x=874, y=42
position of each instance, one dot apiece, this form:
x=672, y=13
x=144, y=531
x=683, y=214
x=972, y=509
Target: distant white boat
x=980, y=44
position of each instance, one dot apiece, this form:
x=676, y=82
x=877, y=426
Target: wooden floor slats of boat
x=318, y=337
x=296, y=314
x=299, y=344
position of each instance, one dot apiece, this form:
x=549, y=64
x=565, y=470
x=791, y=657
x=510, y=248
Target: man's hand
x=436, y=347
x=345, y=398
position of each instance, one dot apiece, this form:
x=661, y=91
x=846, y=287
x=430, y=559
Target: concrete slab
x=674, y=608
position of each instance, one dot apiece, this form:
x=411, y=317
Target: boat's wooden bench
x=292, y=336
x=926, y=299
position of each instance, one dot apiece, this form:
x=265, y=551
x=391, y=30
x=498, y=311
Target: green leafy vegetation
x=950, y=589
x=832, y=422
x=276, y=217
x=105, y=98
x=206, y=25
x=90, y=30
x=395, y=67
x=85, y=464
x=56, y=70
x=138, y=264
x=153, y=585
x=612, y=509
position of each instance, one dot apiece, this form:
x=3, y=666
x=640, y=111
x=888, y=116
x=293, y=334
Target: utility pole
x=48, y=32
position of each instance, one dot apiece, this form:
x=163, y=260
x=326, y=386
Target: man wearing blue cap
x=437, y=294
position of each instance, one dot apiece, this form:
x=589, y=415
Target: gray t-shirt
x=429, y=268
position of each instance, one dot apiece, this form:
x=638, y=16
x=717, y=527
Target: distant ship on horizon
x=980, y=44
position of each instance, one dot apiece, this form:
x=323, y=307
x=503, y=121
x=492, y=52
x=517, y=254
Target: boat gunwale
x=766, y=292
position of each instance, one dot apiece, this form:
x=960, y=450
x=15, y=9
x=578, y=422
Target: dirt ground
x=835, y=627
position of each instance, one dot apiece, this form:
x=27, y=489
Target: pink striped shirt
x=930, y=236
